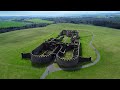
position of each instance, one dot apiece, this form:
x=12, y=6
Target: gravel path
x=51, y=68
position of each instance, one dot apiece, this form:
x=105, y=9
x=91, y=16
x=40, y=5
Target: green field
x=106, y=40
x=35, y=20
x=6, y=24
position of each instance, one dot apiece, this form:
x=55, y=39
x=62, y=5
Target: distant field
x=6, y=24
x=39, y=21
x=106, y=40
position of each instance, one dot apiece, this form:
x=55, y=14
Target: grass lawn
x=66, y=39
x=68, y=55
x=106, y=40
x=12, y=44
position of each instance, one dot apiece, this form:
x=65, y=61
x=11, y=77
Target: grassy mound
x=106, y=40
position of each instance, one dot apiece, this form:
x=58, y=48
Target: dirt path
x=51, y=68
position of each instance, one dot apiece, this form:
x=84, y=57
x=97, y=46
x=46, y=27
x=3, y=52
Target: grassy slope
x=107, y=42
x=11, y=46
x=39, y=21
x=15, y=42
x=5, y=24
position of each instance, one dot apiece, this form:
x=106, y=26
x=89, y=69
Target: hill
x=106, y=40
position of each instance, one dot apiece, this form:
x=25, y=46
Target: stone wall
x=83, y=59
x=70, y=62
x=26, y=55
x=42, y=59
x=36, y=58
x=59, y=50
x=67, y=63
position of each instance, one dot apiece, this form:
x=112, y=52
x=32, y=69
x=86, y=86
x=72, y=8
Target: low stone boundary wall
x=83, y=59
x=26, y=55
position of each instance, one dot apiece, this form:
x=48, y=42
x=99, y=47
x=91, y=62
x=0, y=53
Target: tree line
x=3, y=30
x=112, y=22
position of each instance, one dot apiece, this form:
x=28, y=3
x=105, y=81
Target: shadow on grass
x=70, y=69
x=80, y=51
x=76, y=68
x=84, y=63
x=37, y=65
x=27, y=59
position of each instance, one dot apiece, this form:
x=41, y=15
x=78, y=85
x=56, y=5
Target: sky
x=49, y=13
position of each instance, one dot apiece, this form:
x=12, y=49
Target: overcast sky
x=49, y=13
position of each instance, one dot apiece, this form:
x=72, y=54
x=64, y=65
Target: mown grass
x=85, y=38
x=66, y=39
x=6, y=24
x=106, y=40
x=35, y=20
x=12, y=44
x=68, y=55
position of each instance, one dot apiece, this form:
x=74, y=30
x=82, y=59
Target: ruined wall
x=67, y=63
x=58, y=50
x=26, y=55
x=41, y=59
x=83, y=59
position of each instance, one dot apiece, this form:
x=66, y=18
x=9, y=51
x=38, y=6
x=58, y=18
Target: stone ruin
x=54, y=50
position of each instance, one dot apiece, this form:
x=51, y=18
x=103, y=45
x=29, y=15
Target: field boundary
x=9, y=29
